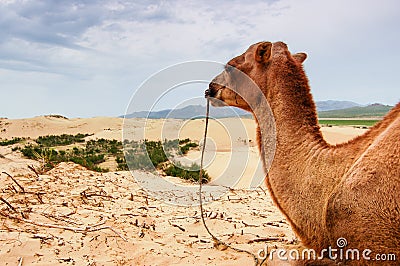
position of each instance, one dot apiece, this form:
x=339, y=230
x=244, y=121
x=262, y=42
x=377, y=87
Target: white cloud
x=103, y=50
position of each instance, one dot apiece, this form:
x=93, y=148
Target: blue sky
x=86, y=58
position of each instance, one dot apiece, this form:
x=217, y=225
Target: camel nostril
x=211, y=91
x=207, y=93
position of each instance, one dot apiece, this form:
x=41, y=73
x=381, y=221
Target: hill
x=195, y=111
x=373, y=110
x=334, y=105
x=189, y=112
x=326, y=109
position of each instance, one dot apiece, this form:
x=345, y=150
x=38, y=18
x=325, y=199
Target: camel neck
x=294, y=109
x=296, y=179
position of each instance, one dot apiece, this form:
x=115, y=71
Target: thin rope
x=217, y=242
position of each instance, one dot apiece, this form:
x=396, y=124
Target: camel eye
x=229, y=68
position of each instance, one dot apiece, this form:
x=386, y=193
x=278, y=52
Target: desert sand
x=74, y=216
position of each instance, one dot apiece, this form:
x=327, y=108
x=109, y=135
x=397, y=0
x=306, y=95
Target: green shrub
x=143, y=155
x=11, y=141
x=156, y=152
x=191, y=175
x=183, y=141
x=61, y=140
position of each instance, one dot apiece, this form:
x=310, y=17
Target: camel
x=327, y=192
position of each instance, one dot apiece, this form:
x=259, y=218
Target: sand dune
x=79, y=217
x=224, y=131
x=47, y=125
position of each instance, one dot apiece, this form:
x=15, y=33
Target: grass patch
x=373, y=110
x=191, y=174
x=185, y=148
x=147, y=155
x=49, y=157
x=61, y=140
x=138, y=155
x=11, y=141
x=366, y=123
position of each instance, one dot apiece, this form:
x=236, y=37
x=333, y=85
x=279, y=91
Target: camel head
x=248, y=76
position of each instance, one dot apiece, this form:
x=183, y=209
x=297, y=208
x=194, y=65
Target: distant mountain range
x=373, y=110
x=190, y=112
x=326, y=109
x=335, y=105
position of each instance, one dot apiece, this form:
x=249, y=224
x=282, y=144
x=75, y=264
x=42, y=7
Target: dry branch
x=86, y=229
x=60, y=218
x=8, y=204
x=263, y=190
x=266, y=239
x=20, y=260
x=249, y=225
x=15, y=181
x=39, y=197
x=177, y=226
x=33, y=170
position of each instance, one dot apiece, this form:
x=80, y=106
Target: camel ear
x=263, y=52
x=300, y=57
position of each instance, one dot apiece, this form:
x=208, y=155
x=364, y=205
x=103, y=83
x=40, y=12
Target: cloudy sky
x=87, y=58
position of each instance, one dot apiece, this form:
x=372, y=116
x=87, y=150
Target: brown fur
x=351, y=190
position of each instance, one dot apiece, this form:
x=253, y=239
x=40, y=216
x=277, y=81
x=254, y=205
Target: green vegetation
x=373, y=110
x=363, y=123
x=183, y=141
x=87, y=157
x=62, y=140
x=146, y=155
x=192, y=174
x=11, y=141
x=186, y=145
x=57, y=116
x=141, y=155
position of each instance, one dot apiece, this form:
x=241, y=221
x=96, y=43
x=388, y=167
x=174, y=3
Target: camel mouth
x=214, y=96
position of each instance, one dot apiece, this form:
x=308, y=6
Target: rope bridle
x=219, y=244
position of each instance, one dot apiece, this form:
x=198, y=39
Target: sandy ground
x=222, y=131
x=73, y=216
